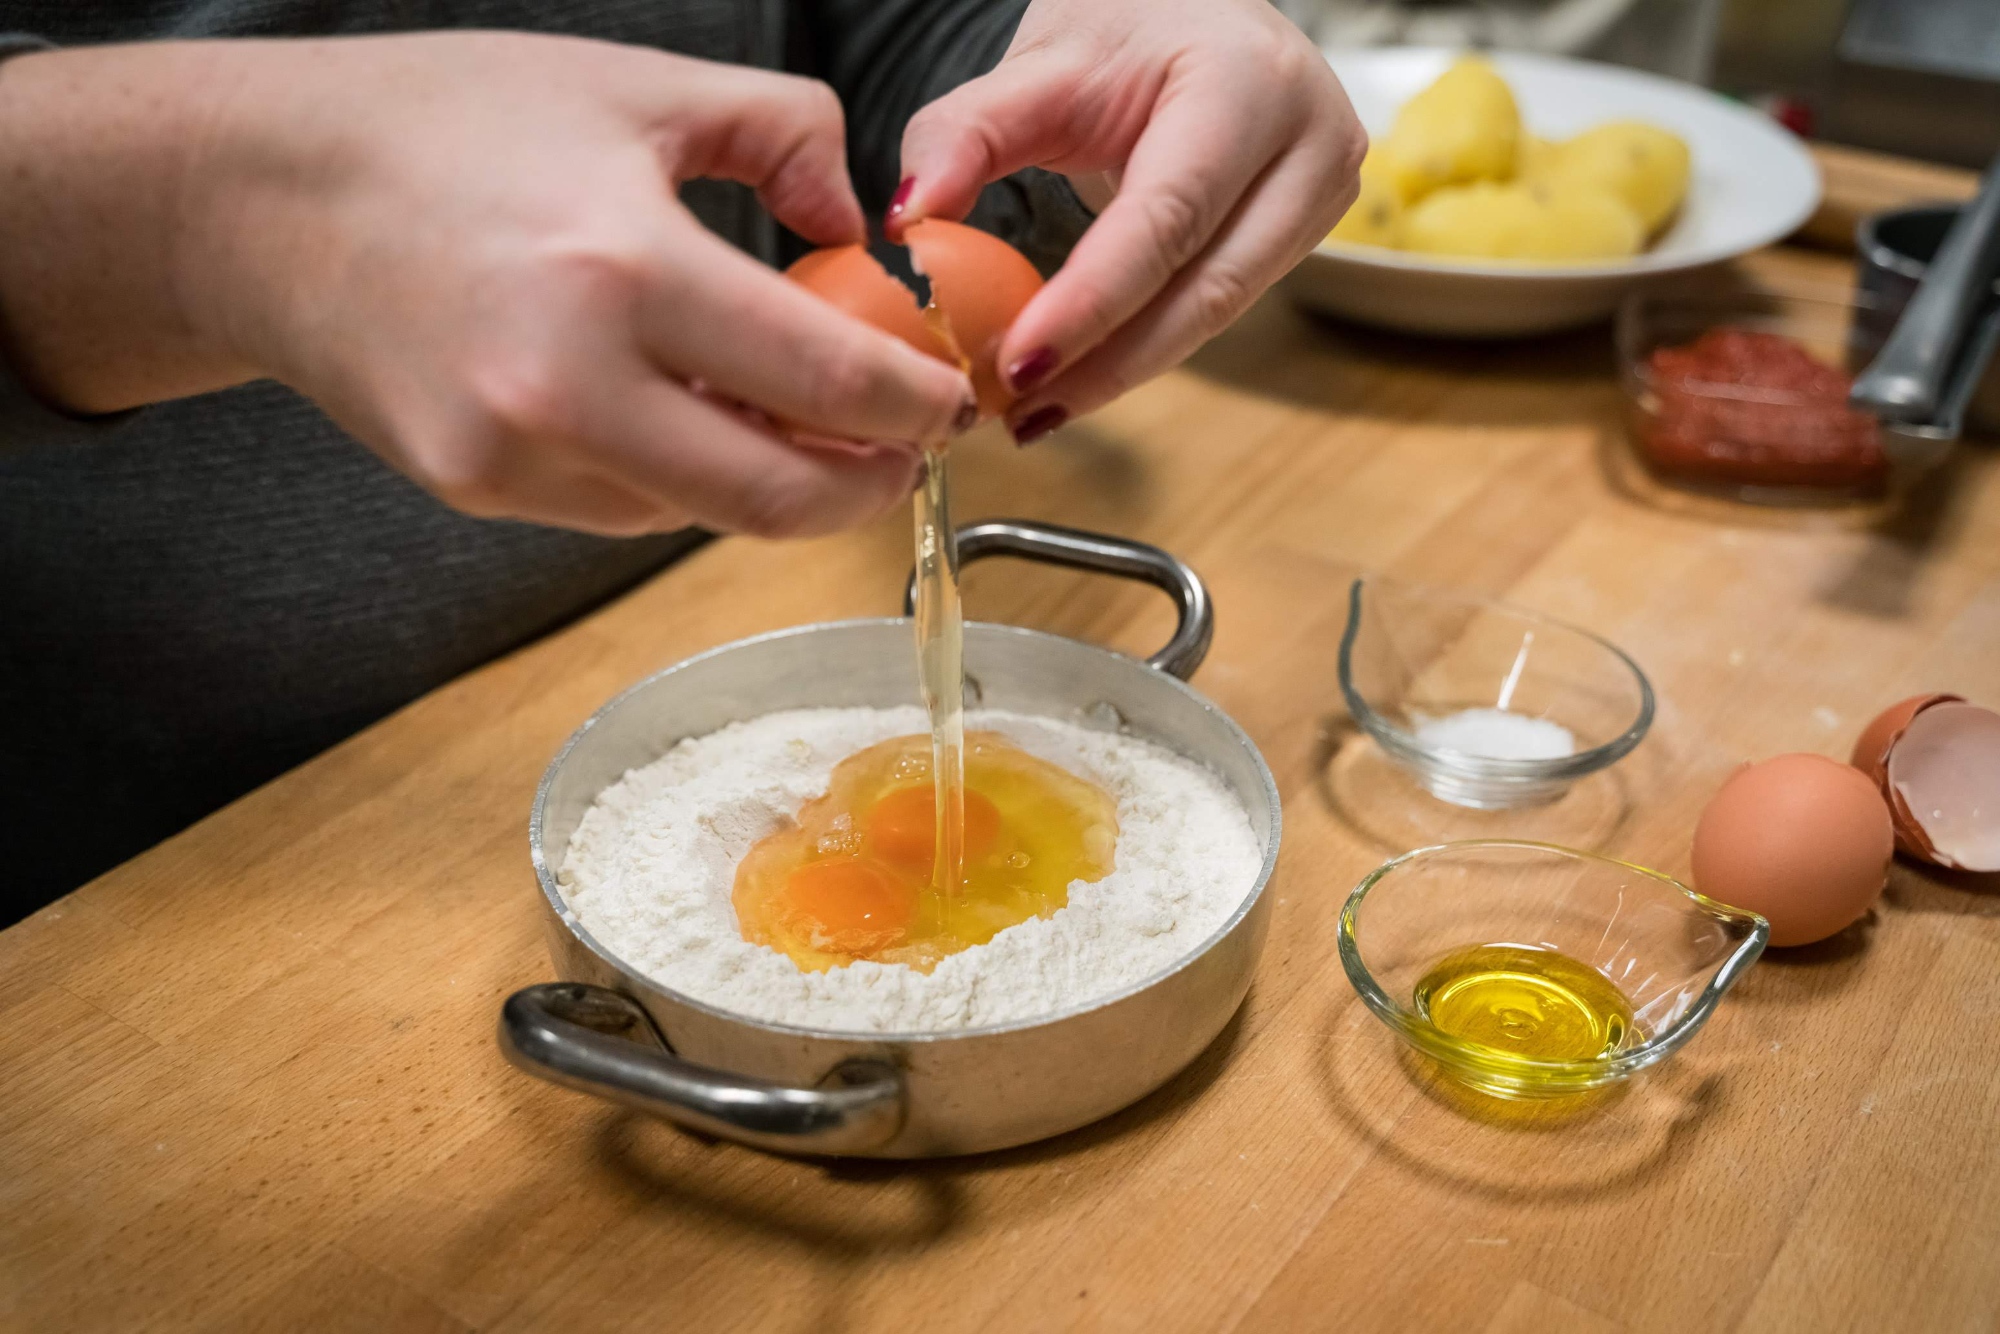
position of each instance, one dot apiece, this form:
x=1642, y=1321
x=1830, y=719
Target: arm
x=467, y=249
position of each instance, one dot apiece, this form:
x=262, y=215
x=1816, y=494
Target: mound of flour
x=650, y=869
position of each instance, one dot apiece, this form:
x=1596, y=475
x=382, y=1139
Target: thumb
x=1019, y=115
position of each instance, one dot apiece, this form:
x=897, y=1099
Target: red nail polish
x=1032, y=369
x=900, y=200
x=1038, y=423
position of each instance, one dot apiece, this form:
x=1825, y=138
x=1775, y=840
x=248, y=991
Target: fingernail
x=1032, y=369
x=900, y=200
x=967, y=418
x=1038, y=423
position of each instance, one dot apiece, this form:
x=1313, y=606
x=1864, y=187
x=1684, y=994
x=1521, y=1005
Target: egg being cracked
x=1802, y=839
x=979, y=284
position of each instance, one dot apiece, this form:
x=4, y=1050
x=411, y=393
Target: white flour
x=650, y=868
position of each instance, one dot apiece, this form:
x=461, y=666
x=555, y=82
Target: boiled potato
x=1579, y=223
x=1531, y=154
x=1642, y=164
x=1462, y=128
x=1377, y=215
x=1519, y=221
x=1481, y=221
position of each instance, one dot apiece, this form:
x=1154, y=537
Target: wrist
x=95, y=144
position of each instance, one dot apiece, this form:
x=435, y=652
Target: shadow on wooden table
x=1379, y=801
x=1934, y=889
x=663, y=1167
x=1809, y=974
x=1278, y=352
x=1592, y=1147
x=1883, y=577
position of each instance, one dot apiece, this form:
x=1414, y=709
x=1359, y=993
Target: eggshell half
x=1802, y=839
x=1871, y=752
x=979, y=284
x=850, y=278
x=1943, y=783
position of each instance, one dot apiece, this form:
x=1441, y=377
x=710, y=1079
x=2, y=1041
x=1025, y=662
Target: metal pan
x=608, y=1031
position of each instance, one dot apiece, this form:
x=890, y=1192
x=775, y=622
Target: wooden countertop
x=249, y=1079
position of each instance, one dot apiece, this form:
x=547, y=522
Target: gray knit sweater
x=199, y=595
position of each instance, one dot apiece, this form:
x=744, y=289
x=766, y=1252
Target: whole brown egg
x=1802, y=839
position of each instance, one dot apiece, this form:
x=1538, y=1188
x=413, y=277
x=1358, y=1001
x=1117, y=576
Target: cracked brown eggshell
x=979, y=284
x=1942, y=780
x=1871, y=752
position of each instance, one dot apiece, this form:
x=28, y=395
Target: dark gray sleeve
x=886, y=59
x=24, y=419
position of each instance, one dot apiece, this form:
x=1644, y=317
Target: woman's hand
x=1214, y=136
x=467, y=248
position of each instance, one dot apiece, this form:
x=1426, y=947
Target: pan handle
x=1051, y=544
x=598, y=1041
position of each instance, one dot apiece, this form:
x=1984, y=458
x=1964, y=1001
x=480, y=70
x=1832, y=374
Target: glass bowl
x=1670, y=951
x=1785, y=447
x=1415, y=658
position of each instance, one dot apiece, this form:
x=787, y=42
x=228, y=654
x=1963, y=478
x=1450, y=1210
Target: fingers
x=784, y=136
x=1188, y=171
x=1024, y=113
x=539, y=485
x=1277, y=223
x=726, y=475
x=750, y=334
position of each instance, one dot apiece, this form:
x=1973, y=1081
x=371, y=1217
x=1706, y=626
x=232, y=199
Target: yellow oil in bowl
x=1525, y=1003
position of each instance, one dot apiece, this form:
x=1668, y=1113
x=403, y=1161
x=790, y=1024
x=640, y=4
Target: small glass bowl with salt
x=1487, y=705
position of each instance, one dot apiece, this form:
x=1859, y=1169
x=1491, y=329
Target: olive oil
x=1526, y=1001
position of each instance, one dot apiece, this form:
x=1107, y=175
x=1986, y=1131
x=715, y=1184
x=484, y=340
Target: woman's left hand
x=1214, y=135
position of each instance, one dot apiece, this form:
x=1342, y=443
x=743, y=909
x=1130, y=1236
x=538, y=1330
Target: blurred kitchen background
x=1919, y=78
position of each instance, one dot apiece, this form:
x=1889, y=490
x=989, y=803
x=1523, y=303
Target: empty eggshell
x=1871, y=752
x=1802, y=839
x=1943, y=785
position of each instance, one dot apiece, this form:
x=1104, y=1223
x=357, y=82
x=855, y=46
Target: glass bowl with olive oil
x=1528, y=970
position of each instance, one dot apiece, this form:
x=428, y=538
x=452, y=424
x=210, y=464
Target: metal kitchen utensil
x=1922, y=381
x=608, y=1030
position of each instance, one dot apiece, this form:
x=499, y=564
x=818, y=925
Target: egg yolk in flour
x=851, y=878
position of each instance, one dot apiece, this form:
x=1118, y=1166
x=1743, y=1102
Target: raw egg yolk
x=851, y=878
x=849, y=906
x=903, y=826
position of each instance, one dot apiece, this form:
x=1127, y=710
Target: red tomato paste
x=1757, y=409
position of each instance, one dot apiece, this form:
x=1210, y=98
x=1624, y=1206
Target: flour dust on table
x=650, y=869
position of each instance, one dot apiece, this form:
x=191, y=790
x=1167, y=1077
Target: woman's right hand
x=467, y=248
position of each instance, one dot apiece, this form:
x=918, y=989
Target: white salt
x=1496, y=734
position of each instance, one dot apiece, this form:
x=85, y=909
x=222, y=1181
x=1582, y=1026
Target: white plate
x=1753, y=183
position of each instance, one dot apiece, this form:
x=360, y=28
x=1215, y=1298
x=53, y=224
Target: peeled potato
x=1642, y=164
x=1517, y=221
x=1580, y=223
x=1462, y=128
x=1532, y=153
x=1482, y=221
x=1377, y=215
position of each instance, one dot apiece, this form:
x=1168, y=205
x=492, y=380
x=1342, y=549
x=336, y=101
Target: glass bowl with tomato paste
x=1744, y=395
